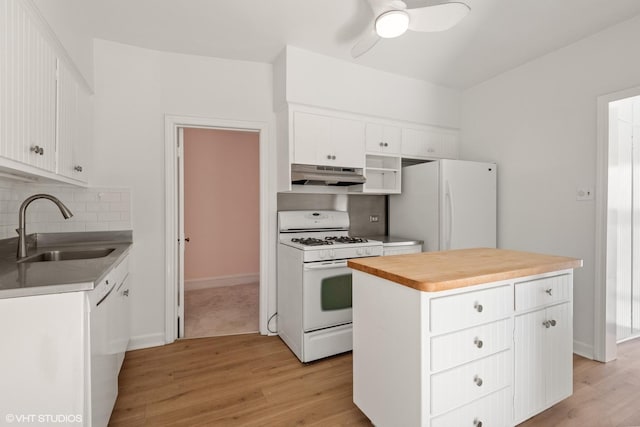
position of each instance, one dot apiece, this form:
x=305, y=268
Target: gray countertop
x=39, y=278
x=395, y=240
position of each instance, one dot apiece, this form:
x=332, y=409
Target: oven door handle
x=325, y=265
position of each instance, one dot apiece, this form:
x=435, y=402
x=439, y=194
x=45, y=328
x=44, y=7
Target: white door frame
x=172, y=123
x=604, y=342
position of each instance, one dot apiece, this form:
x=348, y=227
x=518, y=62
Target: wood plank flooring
x=253, y=380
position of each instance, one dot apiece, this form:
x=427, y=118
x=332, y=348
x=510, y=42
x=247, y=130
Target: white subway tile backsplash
x=108, y=196
x=108, y=216
x=95, y=209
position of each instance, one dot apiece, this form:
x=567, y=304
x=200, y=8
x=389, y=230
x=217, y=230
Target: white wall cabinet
x=469, y=358
x=317, y=136
x=327, y=140
x=45, y=109
x=74, y=126
x=27, y=90
x=383, y=138
x=429, y=143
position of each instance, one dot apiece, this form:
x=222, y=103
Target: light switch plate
x=584, y=193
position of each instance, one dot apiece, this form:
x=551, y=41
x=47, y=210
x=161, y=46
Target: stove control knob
x=358, y=251
x=367, y=251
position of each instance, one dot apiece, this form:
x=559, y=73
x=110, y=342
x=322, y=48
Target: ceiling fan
x=393, y=19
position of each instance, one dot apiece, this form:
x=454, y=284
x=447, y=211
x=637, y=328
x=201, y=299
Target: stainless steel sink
x=68, y=255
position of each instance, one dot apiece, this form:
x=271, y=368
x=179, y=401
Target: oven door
x=326, y=294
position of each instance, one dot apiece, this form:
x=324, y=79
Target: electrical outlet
x=584, y=193
x=374, y=218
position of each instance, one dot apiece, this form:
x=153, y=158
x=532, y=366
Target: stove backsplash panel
x=360, y=207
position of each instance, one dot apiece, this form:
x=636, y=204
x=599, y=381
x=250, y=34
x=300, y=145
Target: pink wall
x=222, y=199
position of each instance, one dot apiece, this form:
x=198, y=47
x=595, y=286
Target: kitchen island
x=465, y=337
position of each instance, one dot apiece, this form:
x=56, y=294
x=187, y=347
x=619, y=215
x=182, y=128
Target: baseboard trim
x=582, y=349
x=146, y=341
x=219, y=281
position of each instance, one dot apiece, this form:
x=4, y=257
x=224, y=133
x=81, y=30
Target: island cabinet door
x=543, y=359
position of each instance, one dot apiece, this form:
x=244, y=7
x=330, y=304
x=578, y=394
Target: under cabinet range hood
x=325, y=175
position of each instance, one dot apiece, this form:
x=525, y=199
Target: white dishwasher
x=107, y=322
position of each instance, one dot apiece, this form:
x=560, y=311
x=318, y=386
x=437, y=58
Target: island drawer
x=456, y=348
x=467, y=309
x=541, y=292
x=493, y=410
x=459, y=386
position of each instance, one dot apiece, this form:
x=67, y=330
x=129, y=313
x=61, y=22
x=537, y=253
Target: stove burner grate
x=346, y=239
x=312, y=241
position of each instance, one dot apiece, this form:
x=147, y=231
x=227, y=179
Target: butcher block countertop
x=440, y=271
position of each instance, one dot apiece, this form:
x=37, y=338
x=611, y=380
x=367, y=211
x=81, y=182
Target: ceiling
x=496, y=36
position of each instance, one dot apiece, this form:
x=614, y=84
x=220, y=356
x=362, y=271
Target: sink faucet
x=22, y=234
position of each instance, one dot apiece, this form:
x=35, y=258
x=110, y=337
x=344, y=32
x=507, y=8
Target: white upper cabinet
x=45, y=108
x=383, y=138
x=326, y=140
x=27, y=90
x=74, y=126
x=430, y=142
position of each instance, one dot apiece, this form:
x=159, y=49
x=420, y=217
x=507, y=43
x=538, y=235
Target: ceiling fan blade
x=439, y=17
x=365, y=44
x=380, y=6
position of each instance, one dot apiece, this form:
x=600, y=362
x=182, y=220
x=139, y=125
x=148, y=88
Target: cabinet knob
x=477, y=423
x=386, y=144
x=37, y=149
x=381, y=144
x=329, y=156
x=478, y=342
x=77, y=168
x=125, y=292
x=478, y=307
x=478, y=381
x=548, y=323
x=549, y=291
x=333, y=157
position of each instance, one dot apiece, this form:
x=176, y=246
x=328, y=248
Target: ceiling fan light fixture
x=392, y=24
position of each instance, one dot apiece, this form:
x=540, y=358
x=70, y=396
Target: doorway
x=617, y=284
x=174, y=220
x=222, y=232
x=623, y=235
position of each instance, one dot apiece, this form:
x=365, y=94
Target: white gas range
x=314, y=282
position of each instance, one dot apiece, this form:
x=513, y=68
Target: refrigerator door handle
x=448, y=195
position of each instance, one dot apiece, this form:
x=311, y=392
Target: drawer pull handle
x=478, y=381
x=478, y=307
x=478, y=342
x=477, y=423
x=548, y=323
x=549, y=291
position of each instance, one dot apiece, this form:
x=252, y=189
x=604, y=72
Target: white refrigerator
x=448, y=204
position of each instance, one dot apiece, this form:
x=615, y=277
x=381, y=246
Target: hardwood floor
x=252, y=380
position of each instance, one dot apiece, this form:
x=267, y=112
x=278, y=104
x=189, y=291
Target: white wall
x=323, y=81
x=134, y=89
x=538, y=122
x=68, y=19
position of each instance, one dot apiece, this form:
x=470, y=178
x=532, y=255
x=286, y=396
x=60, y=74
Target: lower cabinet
x=488, y=355
x=543, y=360
x=62, y=353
